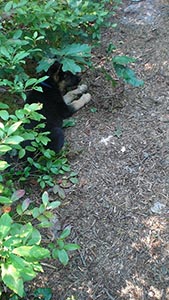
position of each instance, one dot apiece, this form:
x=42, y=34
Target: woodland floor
x=118, y=211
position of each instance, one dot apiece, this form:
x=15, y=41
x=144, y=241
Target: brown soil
x=118, y=211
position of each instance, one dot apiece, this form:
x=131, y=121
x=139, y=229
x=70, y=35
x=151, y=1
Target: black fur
x=55, y=110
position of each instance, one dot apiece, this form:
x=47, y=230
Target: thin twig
x=49, y=266
x=111, y=297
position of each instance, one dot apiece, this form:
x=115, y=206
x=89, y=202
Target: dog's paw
x=86, y=97
x=82, y=88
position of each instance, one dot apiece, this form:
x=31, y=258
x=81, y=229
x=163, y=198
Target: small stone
x=164, y=118
x=123, y=149
x=158, y=208
x=133, y=8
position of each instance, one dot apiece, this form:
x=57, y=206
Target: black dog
x=57, y=104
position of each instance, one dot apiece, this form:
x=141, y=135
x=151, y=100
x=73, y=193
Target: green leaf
x=30, y=82
x=5, y=225
x=8, y=6
x=19, y=209
x=33, y=107
x=11, y=278
x=30, y=148
x=14, y=140
x=37, y=88
x=45, y=198
x=5, y=200
x=20, y=113
x=66, y=168
x=73, y=174
x=44, y=140
x=44, y=221
x=17, y=34
x=70, y=65
x=4, y=115
x=128, y=75
x=44, y=65
x=4, y=52
x=3, y=106
x=69, y=123
x=135, y=82
x=35, y=212
x=19, y=56
x=24, y=268
x=53, y=205
x=48, y=215
x=35, y=35
x=45, y=224
x=21, y=153
x=111, y=47
x=33, y=252
x=42, y=184
x=118, y=132
x=13, y=127
x=74, y=180
x=65, y=233
x=4, y=148
x=3, y=165
x=58, y=190
x=17, y=195
x=24, y=231
x=55, y=253
x=75, y=50
x=123, y=60
x=63, y=256
x=42, y=208
x=25, y=204
x=12, y=241
x=93, y=109
x=35, y=238
x=46, y=293
x=29, y=136
x=42, y=79
x=60, y=243
x=71, y=247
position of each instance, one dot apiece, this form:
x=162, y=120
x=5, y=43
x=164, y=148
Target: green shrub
x=47, y=30
x=44, y=30
x=44, y=162
x=20, y=241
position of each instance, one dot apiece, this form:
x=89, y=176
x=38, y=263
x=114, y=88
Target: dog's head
x=64, y=80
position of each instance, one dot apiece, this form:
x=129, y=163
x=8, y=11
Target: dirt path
x=118, y=212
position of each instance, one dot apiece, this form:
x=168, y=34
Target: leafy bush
x=47, y=30
x=12, y=135
x=28, y=31
x=122, y=70
x=20, y=240
x=44, y=30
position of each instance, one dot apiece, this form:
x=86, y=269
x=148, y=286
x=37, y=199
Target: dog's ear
x=55, y=70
